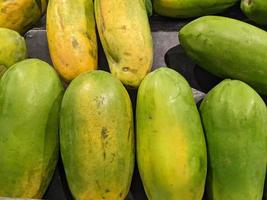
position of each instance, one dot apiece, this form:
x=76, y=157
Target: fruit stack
x=84, y=116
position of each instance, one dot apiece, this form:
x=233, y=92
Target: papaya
x=171, y=149
x=30, y=98
x=21, y=15
x=12, y=49
x=190, y=8
x=208, y=41
x=256, y=10
x=71, y=37
x=125, y=35
x=149, y=7
x=96, y=137
x=235, y=123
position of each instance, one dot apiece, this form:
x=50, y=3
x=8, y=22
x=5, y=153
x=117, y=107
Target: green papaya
x=12, y=48
x=256, y=10
x=171, y=150
x=30, y=98
x=190, y=8
x=125, y=34
x=149, y=7
x=228, y=48
x=21, y=15
x=96, y=137
x=235, y=123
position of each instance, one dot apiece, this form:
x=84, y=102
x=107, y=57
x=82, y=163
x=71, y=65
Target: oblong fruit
x=209, y=42
x=21, y=15
x=192, y=8
x=235, y=122
x=96, y=135
x=12, y=48
x=71, y=36
x=171, y=151
x=256, y=10
x=126, y=38
x=30, y=97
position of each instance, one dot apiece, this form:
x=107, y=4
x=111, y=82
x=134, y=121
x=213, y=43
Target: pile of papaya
x=216, y=149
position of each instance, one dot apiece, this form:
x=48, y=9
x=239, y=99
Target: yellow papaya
x=71, y=37
x=21, y=15
x=126, y=38
x=96, y=137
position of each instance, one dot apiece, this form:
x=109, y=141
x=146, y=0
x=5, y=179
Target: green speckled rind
x=12, y=48
x=171, y=150
x=235, y=122
x=228, y=48
x=190, y=8
x=30, y=98
x=256, y=10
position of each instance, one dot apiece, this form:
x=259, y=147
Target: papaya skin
x=209, y=40
x=190, y=8
x=30, y=98
x=256, y=10
x=149, y=7
x=21, y=15
x=125, y=34
x=12, y=49
x=235, y=124
x=71, y=35
x=96, y=137
x=171, y=150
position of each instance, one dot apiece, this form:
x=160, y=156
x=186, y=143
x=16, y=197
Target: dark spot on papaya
x=150, y=117
x=107, y=190
x=113, y=157
x=134, y=71
x=97, y=184
x=92, y=53
x=3, y=10
x=248, y=2
x=104, y=155
x=123, y=27
x=88, y=37
x=104, y=133
x=99, y=101
x=75, y=43
x=125, y=69
x=120, y=194
x=127, y=54
x=140, y=59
